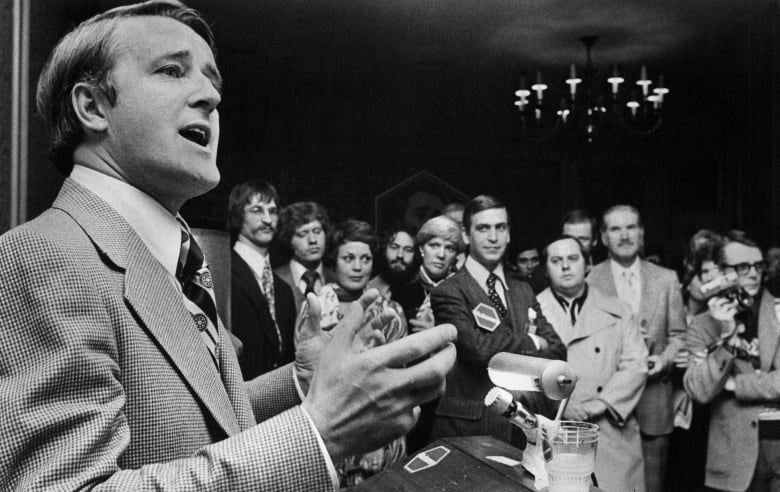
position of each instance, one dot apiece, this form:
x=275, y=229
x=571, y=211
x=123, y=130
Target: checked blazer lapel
x=150, y=291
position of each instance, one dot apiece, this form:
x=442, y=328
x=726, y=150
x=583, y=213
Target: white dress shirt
x=480, y=274
x=632, y=294
x=253, y=258
x=297, y=270
x=161, y=233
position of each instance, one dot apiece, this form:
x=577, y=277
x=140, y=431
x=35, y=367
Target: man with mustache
x=397, y=266
x=116, y=372
x=262, y=304
x=653, y=293
x=304, y=229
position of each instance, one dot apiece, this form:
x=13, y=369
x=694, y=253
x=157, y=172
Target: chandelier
x=589, y=103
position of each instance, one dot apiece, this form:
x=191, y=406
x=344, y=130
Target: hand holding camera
x=724, y=310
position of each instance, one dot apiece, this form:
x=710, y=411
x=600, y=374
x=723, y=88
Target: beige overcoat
x=609, y=356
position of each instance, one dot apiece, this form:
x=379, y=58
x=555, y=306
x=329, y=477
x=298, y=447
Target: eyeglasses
x=744, y=268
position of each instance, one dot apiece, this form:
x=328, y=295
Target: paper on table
x=533, y=456
x=533, y=461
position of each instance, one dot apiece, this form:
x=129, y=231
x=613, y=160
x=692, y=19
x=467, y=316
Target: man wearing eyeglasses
x=733, y=366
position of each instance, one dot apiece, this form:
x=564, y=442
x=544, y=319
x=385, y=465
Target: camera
x=727, y=286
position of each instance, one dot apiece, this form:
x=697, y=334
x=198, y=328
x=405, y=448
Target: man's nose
x=492, y=235
x=205, y=94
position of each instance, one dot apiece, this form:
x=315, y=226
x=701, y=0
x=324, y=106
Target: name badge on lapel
x=486, y=317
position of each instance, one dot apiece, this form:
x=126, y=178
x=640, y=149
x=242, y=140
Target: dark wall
x=320, y=129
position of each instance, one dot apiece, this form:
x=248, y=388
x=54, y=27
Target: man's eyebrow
x=211, y=70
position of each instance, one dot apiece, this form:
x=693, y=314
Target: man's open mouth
x=197, y=134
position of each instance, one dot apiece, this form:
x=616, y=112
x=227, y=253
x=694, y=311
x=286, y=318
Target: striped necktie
x=193, y=273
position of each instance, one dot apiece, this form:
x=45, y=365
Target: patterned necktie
x=193, y=273
x=493, y=295
x=310, y=277
x=267, y=279
x=630, y=293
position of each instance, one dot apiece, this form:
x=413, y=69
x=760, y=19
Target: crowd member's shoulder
x=524, y=284
x=609, y=304
x=660, y=271
x=450, y=283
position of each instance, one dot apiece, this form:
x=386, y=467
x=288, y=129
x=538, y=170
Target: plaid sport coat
x=662, y=317
x=106, y=384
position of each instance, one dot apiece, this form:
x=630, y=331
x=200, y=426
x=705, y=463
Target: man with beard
x=397, y=264
x=262, y=304
x=653, y=293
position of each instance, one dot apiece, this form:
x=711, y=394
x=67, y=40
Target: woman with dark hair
x=350, y=255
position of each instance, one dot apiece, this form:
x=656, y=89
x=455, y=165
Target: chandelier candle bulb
x=589, y=104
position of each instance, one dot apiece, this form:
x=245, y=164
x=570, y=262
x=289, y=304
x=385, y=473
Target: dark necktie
x=310, y=277
x=196, y=284
x=493, y=295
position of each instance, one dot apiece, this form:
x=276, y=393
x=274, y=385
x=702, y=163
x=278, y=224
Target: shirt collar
x=480, y=273
x=618, y=269
x=251, y=256
x=428, y=281
x=155, y=226
x=297, y=270
x=575, y=303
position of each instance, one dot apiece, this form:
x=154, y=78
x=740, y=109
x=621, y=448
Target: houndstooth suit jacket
x=105, y=382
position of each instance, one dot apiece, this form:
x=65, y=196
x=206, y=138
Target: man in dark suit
x=262, y=304
x=115, y=370
x=654, y=295
x=303, y=229
x=491, y=312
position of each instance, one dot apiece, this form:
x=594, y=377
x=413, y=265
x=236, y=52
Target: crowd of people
x=361, y=347
x=629, y=327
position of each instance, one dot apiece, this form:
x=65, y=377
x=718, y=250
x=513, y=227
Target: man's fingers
x=308, y=323
x=367, y=298
x=352, y=322
x=425, y=380
x=416, y=346
x=315, y=309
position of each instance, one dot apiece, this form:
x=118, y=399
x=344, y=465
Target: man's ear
x=465, y=237
x=88, y=104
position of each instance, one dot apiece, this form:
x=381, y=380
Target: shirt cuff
x=298, y=388
x=334, y=478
